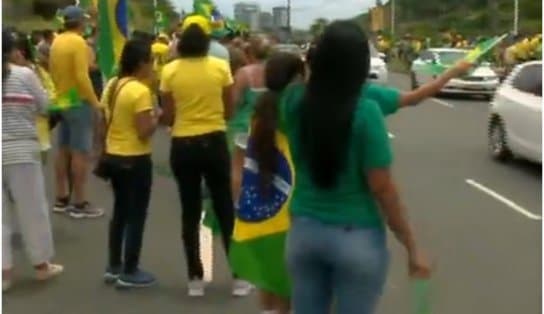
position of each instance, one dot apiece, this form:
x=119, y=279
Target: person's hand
x=418, y=266
x=461, y=68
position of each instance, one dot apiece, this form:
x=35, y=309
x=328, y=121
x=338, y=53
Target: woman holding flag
x=257, y=256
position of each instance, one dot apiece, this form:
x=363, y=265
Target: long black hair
x=193, y=42
x=339, y=66
x=136, y=52
x=8, y=45
x=280, y=70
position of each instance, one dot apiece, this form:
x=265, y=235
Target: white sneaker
x=241, y=288
x=196, y=288
x=52, y=270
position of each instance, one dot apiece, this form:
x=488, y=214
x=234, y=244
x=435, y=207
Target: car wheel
x=498, y=145
x=413, y=80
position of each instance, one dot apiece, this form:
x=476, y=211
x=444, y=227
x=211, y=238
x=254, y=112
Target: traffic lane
x=81, y=246
x=518, y=180
x=487, y=255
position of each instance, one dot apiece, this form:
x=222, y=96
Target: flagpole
x=155, y=26
x=392, y=18
x=516, y=16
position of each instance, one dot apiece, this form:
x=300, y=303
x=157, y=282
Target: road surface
x=486, y=250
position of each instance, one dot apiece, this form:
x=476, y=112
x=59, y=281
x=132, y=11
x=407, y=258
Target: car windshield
x=450, y=57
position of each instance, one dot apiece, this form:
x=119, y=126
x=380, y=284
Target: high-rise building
x=280, y=17
x=248, y=13
x=266, y=21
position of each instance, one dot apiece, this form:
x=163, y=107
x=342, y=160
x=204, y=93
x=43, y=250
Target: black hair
x=71, y=25
x=8, y=45
x=48, y=34
x=193, y=42
x=23, y=43
x=280, y=70
x=339, y=67
x=136, y=52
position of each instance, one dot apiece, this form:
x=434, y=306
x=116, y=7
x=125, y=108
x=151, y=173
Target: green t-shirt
x=244, y=110
x=351, y=202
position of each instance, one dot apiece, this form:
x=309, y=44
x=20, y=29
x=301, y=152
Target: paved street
x=486, y=250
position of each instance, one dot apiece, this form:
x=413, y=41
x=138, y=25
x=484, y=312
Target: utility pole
x=392, y=18
x=516, y=16
x=289, y=20
x=155, y=25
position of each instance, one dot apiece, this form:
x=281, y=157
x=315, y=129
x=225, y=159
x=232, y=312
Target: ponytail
x=280, y=71
x=264, y=135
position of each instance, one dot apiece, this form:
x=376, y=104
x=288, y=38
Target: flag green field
x=421, y=296
x=113, y=25
x=68, y=100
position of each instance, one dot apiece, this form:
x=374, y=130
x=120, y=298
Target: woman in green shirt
x=344, y=193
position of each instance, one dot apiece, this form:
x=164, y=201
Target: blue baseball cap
x=73, y=13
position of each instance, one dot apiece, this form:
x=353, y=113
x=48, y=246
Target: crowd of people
x=228, y=104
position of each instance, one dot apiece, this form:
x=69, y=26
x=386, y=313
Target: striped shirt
x=23, y=98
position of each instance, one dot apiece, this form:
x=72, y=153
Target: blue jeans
x=344, y=264
x=76, y=129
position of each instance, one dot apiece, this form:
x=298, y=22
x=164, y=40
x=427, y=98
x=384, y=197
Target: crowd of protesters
x=223, y=99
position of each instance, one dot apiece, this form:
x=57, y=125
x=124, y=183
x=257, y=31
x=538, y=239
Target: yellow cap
x=200, y=21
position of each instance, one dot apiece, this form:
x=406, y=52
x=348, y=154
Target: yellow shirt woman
x=197, y=87
x=132, y=98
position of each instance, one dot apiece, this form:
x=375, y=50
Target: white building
x=248, y=13
x=280, y=17
x=266, y=21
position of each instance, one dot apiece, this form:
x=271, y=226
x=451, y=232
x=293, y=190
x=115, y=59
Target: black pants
x=131, y=179
x=193, y=159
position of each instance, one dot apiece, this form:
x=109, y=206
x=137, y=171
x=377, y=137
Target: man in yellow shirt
x=69, y=68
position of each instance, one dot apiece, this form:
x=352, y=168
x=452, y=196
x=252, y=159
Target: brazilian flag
x=261, y=223
x=65, y=101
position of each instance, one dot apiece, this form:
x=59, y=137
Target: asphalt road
x=487, y=252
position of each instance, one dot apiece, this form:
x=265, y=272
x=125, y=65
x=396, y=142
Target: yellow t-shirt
x=42, y=123
x=69, y=65
x=122, y=138
x=197, y=87
x=160, y=52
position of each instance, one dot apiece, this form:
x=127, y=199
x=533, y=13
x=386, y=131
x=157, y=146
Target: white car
x=482, y=81
x=515, y=124
x=378, y=68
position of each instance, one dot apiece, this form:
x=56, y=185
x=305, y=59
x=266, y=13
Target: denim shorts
x=76, y=129
x=344, y=265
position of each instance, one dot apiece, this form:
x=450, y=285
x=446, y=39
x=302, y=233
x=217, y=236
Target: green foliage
x=468, y=17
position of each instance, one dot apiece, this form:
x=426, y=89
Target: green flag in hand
x=422, y=300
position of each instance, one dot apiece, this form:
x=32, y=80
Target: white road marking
x=443, y=103
x=391, y=135
x=503, y=200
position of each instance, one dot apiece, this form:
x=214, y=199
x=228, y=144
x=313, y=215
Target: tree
x=318, y=26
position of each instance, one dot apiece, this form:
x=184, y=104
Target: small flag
x=483, y=48
x=422, y=300
x=68, y=100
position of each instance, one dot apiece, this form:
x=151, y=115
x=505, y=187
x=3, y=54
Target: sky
x=304, y=12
